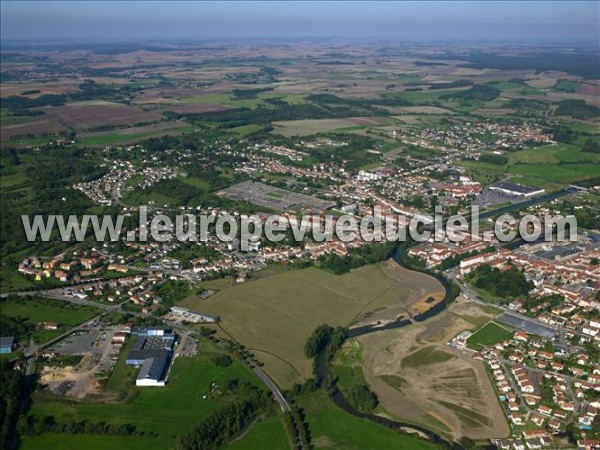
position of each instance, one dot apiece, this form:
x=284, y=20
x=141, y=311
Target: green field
x=306, y=127
x=567, y=173
x=347, y=366
x=168, y=411
x=60, y=441
x=227, y=99
x=426, y=356
x=40, y=310
x=556, y=163
x=244, y=130
x=268, y=434
x=274, y=316
x=114, y=138
x=567, y=86
x=65, y=314
x=13, y=180
x=142, y=197
x=491, y=333
x=331, y=427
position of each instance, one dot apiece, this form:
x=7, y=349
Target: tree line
x=12, y=387
x=226, y=423
x=357, y=257
x=32, y=425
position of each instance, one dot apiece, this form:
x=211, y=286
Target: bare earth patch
x=420, y=290
x=77, y=382
x=418, y=378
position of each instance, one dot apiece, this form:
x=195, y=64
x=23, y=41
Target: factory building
x=153, y=353
x=515, y=189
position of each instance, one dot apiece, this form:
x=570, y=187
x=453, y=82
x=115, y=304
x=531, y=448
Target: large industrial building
x=152, y=352
x=192, y=316
x=153, y=371
x=515, y=189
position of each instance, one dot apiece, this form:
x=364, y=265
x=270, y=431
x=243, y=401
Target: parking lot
x=275, y=198
x=527, y=325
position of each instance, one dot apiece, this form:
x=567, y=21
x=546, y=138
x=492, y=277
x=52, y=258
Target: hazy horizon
x=524, y=22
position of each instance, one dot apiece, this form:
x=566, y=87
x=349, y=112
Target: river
x=338, y=398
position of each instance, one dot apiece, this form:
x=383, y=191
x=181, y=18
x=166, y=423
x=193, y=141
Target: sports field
x=274, y=317
x=489, y=334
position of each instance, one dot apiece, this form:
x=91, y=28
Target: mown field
x=274, y=316
x=306, y=127
x=134, y=134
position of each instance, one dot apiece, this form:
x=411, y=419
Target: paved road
x=285, y=407
x=57, y=294
x=33, y=348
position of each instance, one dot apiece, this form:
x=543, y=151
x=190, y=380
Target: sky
x=483, y=20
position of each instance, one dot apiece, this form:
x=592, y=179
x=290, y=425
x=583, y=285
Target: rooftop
x=514, y=187
x=154, y=367
x=7, y=341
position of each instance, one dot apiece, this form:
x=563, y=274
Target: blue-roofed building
x=7, y=344
x=153, y=352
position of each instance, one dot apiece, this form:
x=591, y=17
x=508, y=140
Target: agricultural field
x=134, y=134
x=560, y=164
x=274, y=316
x=78, y=116
x=308, y=127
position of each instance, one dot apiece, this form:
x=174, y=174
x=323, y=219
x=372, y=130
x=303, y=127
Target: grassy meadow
x=331, y=427
x=274, y=316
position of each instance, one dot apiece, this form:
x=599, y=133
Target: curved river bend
x=336, y=395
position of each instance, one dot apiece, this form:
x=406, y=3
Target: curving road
x=260, y=373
